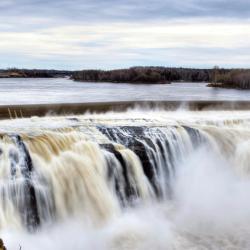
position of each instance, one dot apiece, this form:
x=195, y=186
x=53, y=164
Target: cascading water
x=136, y=180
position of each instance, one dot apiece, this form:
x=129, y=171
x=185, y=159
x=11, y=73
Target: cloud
x=125, y=10
x=119, y=33
x=137, y=44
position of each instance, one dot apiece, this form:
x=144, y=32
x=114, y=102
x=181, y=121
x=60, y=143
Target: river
x=139, y=179
x=62, y=90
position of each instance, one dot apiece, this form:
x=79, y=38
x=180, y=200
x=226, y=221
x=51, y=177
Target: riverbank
x=33, y=73
x=20, y=111
x=221, y=85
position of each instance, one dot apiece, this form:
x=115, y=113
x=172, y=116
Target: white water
x=209, y=207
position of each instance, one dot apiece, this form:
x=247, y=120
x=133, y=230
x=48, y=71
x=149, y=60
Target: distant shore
x=218, y=78
x=146, y=75
x=222, y=85
x=33, y=73
x=140, y=75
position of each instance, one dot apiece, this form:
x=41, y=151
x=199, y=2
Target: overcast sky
x=77, y=34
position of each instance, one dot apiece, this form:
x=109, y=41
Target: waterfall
x=97, y=167
x=57, y=174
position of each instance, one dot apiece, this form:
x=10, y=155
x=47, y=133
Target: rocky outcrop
x=2, y=247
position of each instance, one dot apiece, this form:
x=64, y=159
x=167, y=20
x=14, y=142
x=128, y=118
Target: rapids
x=141, y=179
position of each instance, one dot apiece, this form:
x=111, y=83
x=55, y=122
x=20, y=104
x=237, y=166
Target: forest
x=33, y=73
x=215, y=77
x=145, y=75
x=235, y=78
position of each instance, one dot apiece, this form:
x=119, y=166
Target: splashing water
x=157, y=180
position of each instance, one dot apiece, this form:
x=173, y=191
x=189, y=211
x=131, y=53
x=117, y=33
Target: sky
x=108, y=34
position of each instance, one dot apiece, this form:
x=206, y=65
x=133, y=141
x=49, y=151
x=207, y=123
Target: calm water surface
x=61, y=90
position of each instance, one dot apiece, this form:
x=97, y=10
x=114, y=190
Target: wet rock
x=27, y=205
x=133, y=138
x=129, y=190
x=2, y=247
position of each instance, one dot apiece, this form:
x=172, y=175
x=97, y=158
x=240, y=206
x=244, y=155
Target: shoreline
x=29, y=110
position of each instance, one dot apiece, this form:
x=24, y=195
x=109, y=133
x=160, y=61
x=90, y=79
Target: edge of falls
x=98, y=169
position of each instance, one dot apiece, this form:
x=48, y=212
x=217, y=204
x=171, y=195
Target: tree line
x=33, y=73
x=217, y=77
x=235, y=78
x=145, y=75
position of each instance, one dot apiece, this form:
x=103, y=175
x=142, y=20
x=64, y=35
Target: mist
x=209, y=209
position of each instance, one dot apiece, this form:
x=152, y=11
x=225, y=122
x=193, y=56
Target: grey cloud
x=35, y=15
x=92, y=10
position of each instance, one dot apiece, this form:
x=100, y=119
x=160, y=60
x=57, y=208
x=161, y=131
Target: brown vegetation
x=236, y=78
